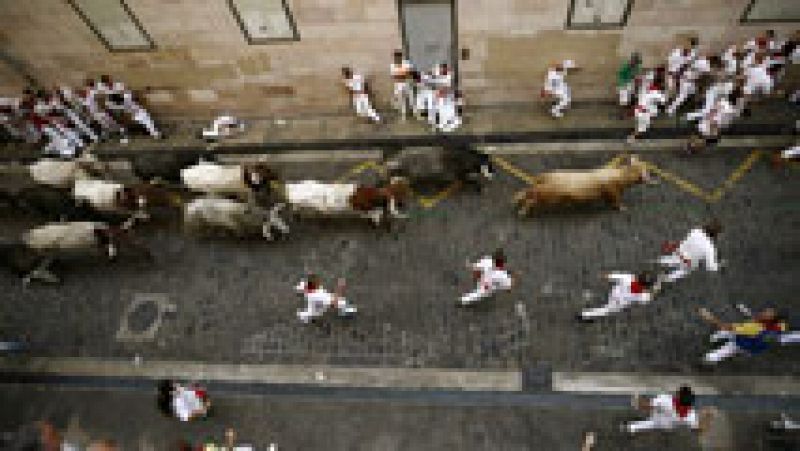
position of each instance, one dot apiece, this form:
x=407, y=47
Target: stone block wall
x=203, y=65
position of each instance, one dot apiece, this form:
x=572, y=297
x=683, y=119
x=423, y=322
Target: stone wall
x=203, y=65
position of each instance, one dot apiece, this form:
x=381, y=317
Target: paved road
x=311, y=423
x=235, y=302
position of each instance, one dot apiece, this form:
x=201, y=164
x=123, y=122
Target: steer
x=453, y=161
x=567, y=187
x=236, y=217
x=63, y=173
x=241, y=181
x=346, y=199
x=32, y=255
x=111, y=197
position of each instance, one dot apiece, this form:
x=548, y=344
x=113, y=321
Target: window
x=596, y=14
x=114, y=24
x=264, y=21
x=772, y=11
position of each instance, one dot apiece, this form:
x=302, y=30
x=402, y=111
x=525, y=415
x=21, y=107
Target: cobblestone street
x=234, y=300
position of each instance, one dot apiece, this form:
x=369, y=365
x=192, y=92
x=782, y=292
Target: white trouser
x=685, y=90
x=481, y=291
x=447, y=118
x=562, y=102
x=425, y=102
x=107, y=123
x=71, y=135
x=711, y=96
x=726, y=351
x=649, y=424
x=789, y=337
x=757, y=85
x=58, y=144
x=625, y=92
x=85, y=129
x=643, y=119
x=615, y=304
x=680, y=268
x=363, y=107
x=791, y=154
x=142, y=117
x=402, y=97
x=672, y=81
x=343, y=308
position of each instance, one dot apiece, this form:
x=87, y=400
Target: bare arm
x=712, y=319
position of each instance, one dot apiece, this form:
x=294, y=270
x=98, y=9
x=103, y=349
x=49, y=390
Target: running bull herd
x=93, y=215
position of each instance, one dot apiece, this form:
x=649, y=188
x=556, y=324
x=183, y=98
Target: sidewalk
x=520, y=122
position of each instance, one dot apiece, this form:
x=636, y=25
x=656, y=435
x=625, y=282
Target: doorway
x=429, y=33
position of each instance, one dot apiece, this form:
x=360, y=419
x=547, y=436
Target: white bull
x=32, y=255
x=347, y=198
x=80, y=237
x=62, y=173
x=100, y=194
x=237, y=217
x=218, y=179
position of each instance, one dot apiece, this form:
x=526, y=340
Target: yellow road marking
x=736, y=175
x=358, y=169
x=430, y=202
x=679, y=182
x=513, y=170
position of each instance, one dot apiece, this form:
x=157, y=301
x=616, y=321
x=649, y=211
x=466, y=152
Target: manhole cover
x=142, y=317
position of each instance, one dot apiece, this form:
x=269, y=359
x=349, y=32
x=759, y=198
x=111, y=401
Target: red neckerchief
x=636, y=287
x=682, y=410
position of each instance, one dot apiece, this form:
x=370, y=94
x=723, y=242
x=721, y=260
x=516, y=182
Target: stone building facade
x=202, y=63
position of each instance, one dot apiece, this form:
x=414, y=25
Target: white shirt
x=185, y=403
x=318, y=300
x=757, y=74
x=676, y=60
x=649, y=101
x=697, y=247
x=621, y=290
x=492, y=278
x=355, y=83
x=729, y=60
x=441, y=80
x=554, y=82
x=664, y=413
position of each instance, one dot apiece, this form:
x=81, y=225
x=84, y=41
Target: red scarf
x=636, y=287
x=682, y=410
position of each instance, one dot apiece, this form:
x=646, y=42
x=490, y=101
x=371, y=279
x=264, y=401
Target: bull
x=241, y=219
x=63, y=173
x=241, y=181
x=379, y=204
x=111, y=197
x=452, y=162
x=33, y=254
x=581, y=186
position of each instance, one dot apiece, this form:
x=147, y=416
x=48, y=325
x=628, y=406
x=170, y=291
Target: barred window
x=772, y=11
x=264, y=21
x=598, y=14
x=114, y=24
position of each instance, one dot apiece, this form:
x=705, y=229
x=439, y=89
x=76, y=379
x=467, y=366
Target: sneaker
x=124, y=141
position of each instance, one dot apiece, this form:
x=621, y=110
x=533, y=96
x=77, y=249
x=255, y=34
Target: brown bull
x=580, y=186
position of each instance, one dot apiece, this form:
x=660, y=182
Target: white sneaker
x=123, y=141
